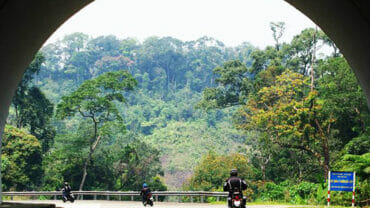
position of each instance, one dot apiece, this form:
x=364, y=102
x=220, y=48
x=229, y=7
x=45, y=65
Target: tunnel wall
x=24, y=26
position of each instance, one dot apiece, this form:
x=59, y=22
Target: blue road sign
x=341, y=181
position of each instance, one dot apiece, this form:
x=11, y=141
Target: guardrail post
x=179, y=198
x=156, y=198
x=94, y=196
x=132, y=197
x=108, y=197
x=201, y=199
x=217, y=198
x=120, y=197
x=191, y=199
x=11, y=198
x=55, y=197
x=82, y=197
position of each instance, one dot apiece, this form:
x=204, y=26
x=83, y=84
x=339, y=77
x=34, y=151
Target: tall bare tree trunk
x=93, y=146
x=325, y=148
x=326, y=158
x=312, y=71
x=17, y=120
x=324, y=138
x=87, y=162
x=263, y=167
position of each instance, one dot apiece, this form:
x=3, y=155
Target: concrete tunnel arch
x=25, y=25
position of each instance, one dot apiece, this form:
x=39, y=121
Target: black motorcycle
x=68, y=197
x=149, y=200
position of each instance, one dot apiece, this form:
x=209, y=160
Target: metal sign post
x=342, y=181
x=329, y=188
x=353, y=191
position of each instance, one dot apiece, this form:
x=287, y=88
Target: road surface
x=129, y=204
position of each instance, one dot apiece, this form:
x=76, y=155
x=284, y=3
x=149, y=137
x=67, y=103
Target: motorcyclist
x=145, y=191
x=234, y=184
x=66, y=190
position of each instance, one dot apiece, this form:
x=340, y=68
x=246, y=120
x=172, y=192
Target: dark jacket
x=235, y=184
x=66, y=190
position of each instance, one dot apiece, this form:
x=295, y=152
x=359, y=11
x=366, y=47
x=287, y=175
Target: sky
x=230, y=21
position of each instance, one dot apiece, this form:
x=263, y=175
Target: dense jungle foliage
x=303, y=113
x=109, y=114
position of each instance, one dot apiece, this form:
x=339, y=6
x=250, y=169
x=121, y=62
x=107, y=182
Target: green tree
x=94, y=100
x=108, y=63
x=299, y=53
x=21, y=157
x=277, y=29
x=233, y=86
x=37, y=115
x=343, y=98
x=21, y=91
x=74, y=43
x=32, y=108
x=214, y=169
x=138, y=163
x=65, y=160
x=291, y=116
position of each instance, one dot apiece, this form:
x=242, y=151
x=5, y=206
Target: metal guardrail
x=132, y=194
x=363, y=203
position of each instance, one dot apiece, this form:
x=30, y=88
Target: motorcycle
x=237, y=201
x=68, y=197
x=149, y=200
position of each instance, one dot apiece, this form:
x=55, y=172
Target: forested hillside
x=161, y=111
x=109, y=114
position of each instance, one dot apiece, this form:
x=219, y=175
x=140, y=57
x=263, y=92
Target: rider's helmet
x=145, y=185
x=65, y=183
x=234, y=172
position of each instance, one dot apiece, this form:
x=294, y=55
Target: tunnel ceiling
x=363, y=7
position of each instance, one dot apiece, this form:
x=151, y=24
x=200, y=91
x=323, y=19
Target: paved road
x=126, y=204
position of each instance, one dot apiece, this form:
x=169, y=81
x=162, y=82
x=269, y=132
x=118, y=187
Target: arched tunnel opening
x=349, y=37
